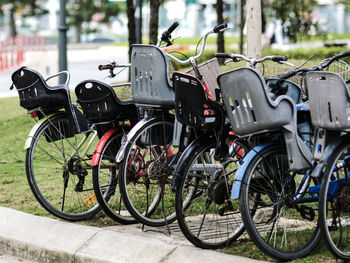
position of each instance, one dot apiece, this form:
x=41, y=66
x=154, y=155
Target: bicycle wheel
x=105, y=181
x=334, y=206
x=146, y=171
x=206, y=215
x=59, y=172
x=276, y=211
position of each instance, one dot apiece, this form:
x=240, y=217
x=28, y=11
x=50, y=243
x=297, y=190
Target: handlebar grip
x=219, y=27
x=279, y=58
x=343, y=55
x=166, y=34
x=107, y=66
x=222, y=55
x=172, y=27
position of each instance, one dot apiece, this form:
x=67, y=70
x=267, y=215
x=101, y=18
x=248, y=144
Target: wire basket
x=210, y=70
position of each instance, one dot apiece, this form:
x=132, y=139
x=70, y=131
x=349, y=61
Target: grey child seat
x=329, y=100
x=151, y=86
x=251, y=111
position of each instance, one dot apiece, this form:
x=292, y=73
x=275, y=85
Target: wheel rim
x=55, y=163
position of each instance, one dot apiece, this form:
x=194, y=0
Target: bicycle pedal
x=307, y=213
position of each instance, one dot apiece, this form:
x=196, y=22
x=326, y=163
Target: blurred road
x=82, y=64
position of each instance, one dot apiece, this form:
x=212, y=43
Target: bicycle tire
x=105, y=181
x=206, y=215
x=50, y=171
x=333, y=206
x=145, y=175
x=274, y=224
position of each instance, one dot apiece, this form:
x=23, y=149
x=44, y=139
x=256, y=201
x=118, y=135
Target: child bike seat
x=151, y=86
x=35, y=93
x=101, y=105
x=329, y=100
x=192, y=106
x=251, y=111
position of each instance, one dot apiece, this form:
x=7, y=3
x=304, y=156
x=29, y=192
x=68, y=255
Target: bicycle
x=206, y=170
x=58, y=148
x=102, y=107
x=153, y=146
x=278, y=196
x=54, y=146
x=330, y=115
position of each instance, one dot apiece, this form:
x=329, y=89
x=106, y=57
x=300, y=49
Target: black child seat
x=34, y=93
x=101, y=105
x=192, y=106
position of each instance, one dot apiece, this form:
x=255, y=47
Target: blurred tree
x=154, y=20
x=220, y=18
x=24, y=8
x=296, y=16
x=81, y=11
x=130, y=10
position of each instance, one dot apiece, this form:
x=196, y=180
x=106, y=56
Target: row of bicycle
x=219, y=153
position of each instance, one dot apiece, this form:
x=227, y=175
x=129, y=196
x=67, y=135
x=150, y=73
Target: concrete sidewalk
x=44, y=239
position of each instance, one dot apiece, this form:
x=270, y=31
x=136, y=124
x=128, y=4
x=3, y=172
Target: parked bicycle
x=329, y=113
x=278, y=195
x=206, y=170
x=60, y=145
x=153, y=146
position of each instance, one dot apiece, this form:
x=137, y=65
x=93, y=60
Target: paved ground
x=40, y=239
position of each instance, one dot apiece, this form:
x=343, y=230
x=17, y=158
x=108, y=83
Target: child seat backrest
x=150, y=82
x=34, y=92
x=100, y=103
x=247, y=104
x=192, y=106
x=329, y=100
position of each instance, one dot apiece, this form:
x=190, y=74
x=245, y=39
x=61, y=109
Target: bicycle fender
x=328, y=151
x=101, y=144
x=236, y=187
x=34, y=129
x=125, y=143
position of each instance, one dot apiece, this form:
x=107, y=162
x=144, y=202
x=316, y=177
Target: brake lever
x=286, y=63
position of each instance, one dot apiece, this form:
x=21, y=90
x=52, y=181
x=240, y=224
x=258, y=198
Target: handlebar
x=217, y=28
x=167, y=34
x=320, y=66
x=213, y=31
x=251, y=61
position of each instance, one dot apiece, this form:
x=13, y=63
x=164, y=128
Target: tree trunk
x=241, y=26
x=153, y=23
x=253, y=28
x=78, y=33
x=220, y=19
x=12, y=22
x=131, y=23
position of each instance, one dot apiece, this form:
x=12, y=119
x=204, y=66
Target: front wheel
x=145, y=173
x=334, y=206
x=206, y=215
x=279, y=217
x=59, y=171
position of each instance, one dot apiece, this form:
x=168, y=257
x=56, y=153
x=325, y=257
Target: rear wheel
x=105, y=179
x=276, y=220
x=59, y=171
